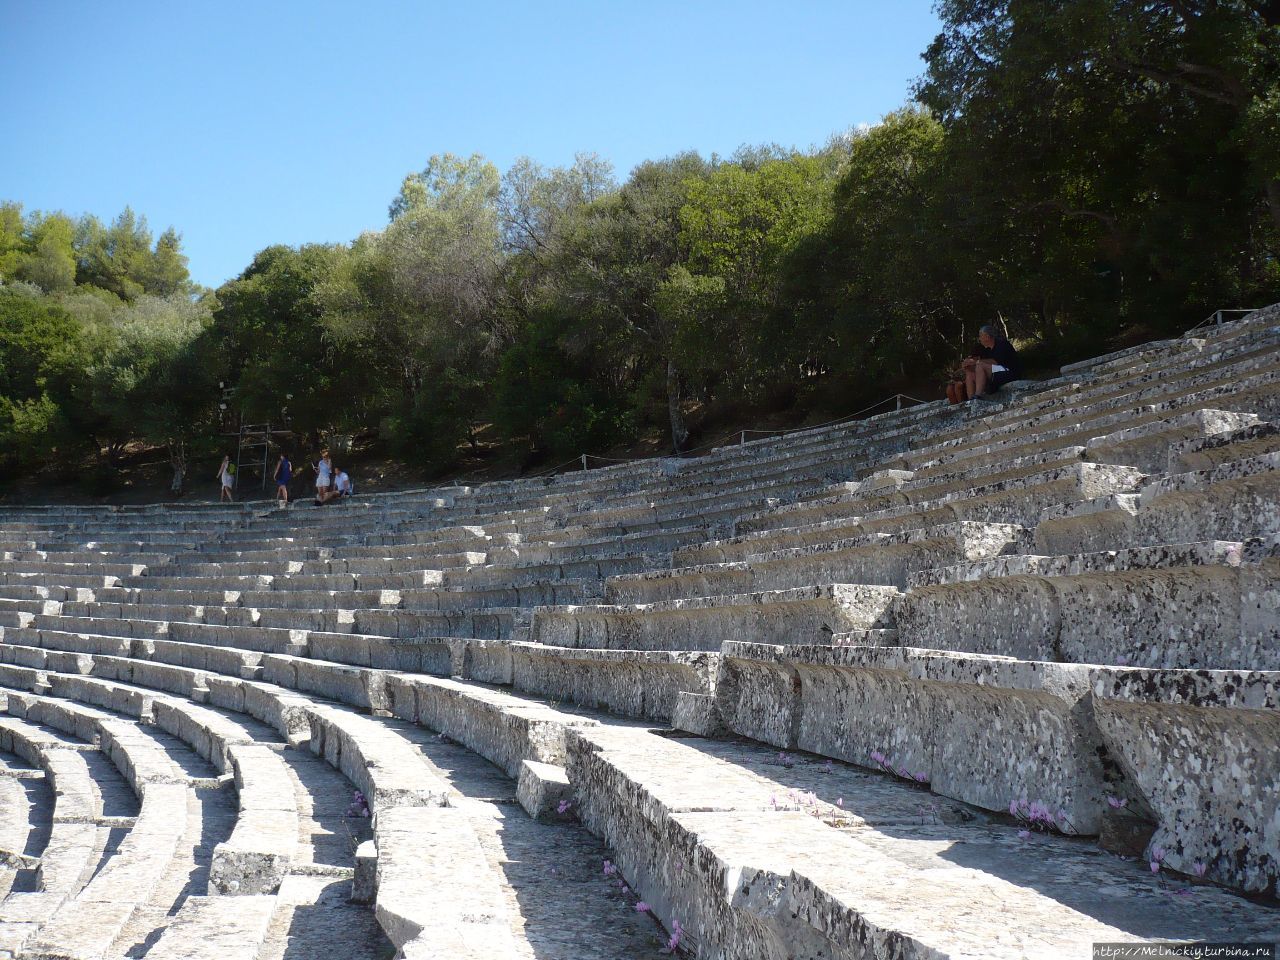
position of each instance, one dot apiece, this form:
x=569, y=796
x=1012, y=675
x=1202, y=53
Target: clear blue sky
x=244, y=124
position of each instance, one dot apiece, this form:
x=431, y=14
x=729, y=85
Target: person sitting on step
x=995, y=365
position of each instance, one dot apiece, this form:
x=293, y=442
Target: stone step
x=90, y=923
x=703, y=623
x=873, y=559
x=25, y=806
x=1147, y=447
x=1018, y=500
x=1231, y=501
x=286, y=566
x=1210, y=451
x=84, y=789
x=1242, y=387
x=216, y=928
x=675, y=808
x=1209, y=605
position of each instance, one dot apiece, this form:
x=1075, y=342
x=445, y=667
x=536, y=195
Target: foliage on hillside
x=1069, y=170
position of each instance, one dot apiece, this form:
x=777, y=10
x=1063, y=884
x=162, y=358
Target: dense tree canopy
x=1079, y=171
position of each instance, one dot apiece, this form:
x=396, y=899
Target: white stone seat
x=1203, y=747
x=79, y=828
x=1205, y=453
x=216, y=928
x=88, y=923
x=876, y=558
x=703, y=623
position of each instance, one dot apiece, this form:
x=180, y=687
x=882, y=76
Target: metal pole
x=584, y=461
x=897, y=400
x=743, y=441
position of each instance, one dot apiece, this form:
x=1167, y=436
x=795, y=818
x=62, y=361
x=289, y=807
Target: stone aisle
x=561, y=903
x=25, y=803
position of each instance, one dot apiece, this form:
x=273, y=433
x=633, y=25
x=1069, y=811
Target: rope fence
x=583, y=461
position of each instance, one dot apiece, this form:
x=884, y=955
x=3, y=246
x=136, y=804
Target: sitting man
x=993, y=365
x=341, y=487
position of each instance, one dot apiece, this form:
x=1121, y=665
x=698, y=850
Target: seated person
x=342, y=487
x=993, y=364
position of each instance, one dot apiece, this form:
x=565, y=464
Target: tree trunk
x=1273, y=201
x=178, y=460
x=679, y=432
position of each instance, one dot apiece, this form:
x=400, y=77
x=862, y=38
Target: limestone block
x=541, y=788
x=696, y=713
x=364, y=885
x=216, y=929
x=1242, y=443
x=1203, y=748
x=632, y=683
x=1102, y=523
x=462, y=917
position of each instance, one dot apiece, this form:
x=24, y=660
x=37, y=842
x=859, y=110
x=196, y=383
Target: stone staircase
x=998, y=681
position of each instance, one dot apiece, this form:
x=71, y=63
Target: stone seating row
x=611, y=807
x=1080, y=740
x=416, y=823
x=83, y=796
x=89, y=921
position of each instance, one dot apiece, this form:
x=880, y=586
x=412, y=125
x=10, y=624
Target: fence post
x=742, y=441
x=897, y=401
x=584, y=461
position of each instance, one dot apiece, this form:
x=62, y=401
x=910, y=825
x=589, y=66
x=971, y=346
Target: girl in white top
x=324, y=470
x=228, y=479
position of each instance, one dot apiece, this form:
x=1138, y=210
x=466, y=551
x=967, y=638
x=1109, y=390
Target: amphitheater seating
x=922, y=685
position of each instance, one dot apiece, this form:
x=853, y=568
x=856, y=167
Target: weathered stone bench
x=1179, y=605
x=704, y=623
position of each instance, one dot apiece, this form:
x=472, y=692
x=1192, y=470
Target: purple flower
x=922, y=778
x=609, y=868
x=1117, y=803
x=1198, y=868
x=877, y=756
x=641, y=907
x=1013, y=808
x=563, y=807
x=1024, y=834
x=1155, y=866
x=677, y=934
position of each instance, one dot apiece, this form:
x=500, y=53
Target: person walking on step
x=227, y=477
x=324, y=474
x=995, y=365
x=284, y=473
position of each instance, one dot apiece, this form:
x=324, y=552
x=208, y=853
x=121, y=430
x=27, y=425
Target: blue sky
x=249, y=123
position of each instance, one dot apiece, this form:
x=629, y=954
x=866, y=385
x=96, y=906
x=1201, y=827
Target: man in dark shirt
x=995, y=364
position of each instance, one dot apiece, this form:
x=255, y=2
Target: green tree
x=42, y=353
x=1117, y=151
